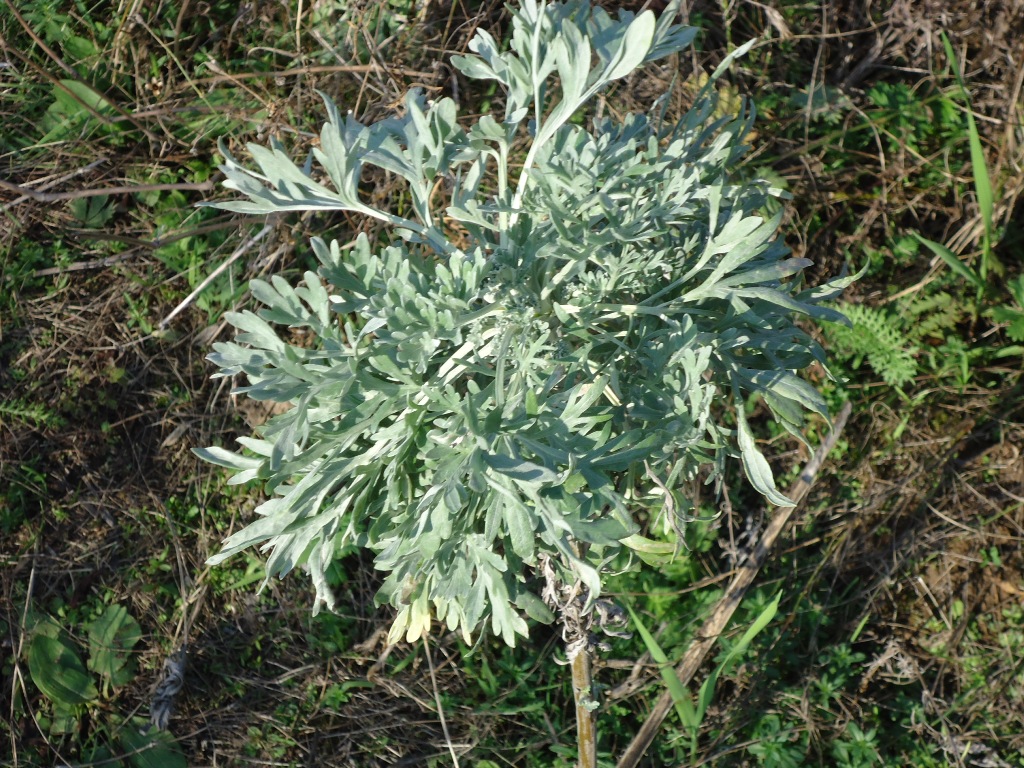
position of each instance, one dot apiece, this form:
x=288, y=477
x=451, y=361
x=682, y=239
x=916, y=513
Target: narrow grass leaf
x=707, y=690
x=680, y=696
x=982, y=182
x=953, y=261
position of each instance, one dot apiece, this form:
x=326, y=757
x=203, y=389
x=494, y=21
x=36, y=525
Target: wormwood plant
x=564, y=332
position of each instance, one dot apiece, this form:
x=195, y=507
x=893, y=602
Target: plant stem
x=586, y=734
x=567, y=601
x=716, y=622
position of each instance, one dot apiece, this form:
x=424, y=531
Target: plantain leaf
x=150, y=749
x=56, y=668
x=111, y=639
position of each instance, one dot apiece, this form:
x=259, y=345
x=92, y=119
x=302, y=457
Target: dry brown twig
x=716, y=623
x=52, y=197
x=220, y=75
x=238, y=253
x=439, y=705
x=28, y=194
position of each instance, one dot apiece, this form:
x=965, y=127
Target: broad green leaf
x=57, y=670
x=111, y=639
x=65, y=718
x=77, y=47
x=146, y=748
x=93, y=212
x=86, y=94
x=96, y=755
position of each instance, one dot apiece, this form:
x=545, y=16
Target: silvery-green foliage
x=536, y=357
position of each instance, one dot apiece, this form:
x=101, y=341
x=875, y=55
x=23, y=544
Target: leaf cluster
x=536, y=359
x=891, y=341
x=76, y=706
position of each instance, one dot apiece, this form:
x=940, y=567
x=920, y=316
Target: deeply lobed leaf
x=523, y=381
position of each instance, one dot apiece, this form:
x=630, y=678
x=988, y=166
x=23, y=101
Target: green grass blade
x=954, y=262
x=982, y=182
x=707, y=690
x=676, y=689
